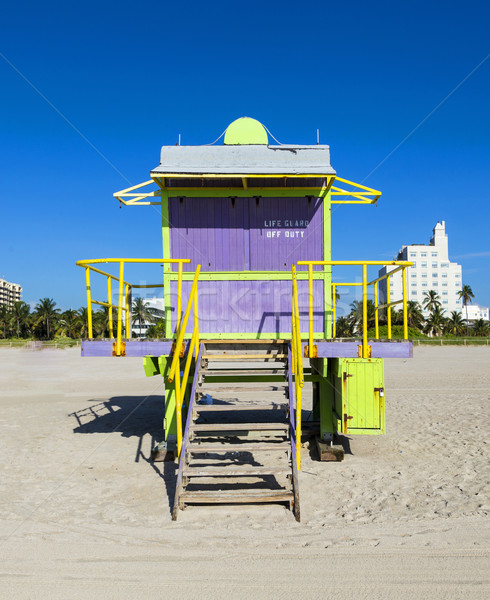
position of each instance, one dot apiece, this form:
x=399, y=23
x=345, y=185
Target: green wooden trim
x=251, y=192
x=245, y=275
x=167, y=268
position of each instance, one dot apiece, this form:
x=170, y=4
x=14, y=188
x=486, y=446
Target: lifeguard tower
x=250, y=299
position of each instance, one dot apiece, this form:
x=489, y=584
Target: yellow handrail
x=400, y=266
x=181, y=332
x=174, y=372
x=124, y=292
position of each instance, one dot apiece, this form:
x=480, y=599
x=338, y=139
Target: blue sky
x=131, y=77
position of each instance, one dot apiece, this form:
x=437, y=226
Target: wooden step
x=238, y=407
x=235, y=496
x=225, y=427
x=234, y=471
x=219, y=448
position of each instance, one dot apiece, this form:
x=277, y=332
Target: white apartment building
x=475, y=312
x=9, y=292
x=157, y=307
x=432, y=270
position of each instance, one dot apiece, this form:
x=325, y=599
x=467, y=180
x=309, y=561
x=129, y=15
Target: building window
x=458, y=275
x=445, y=265
x=414, y=284
x=424, y=285
x=444, y=284
x=444, y=293
x=434, y=283
x=444, y=275
x=434, y=265
x=414, y=275
x=434, y=274
x=445, y=302
x=424, y=265
x=413, y=255
x=424, y=275
x=434, y=254
x=423, y=254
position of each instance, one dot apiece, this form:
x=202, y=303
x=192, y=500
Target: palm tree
x=83, y=321
x=19, y=315
x=4, y=319
x=466, y=294
x=47, y=313
x=356, y=314
x=435, y=322
x=141, y=312
x=343, y=328
x=70, y=323
x=431, y=300
x=415, y=317
x=481, y=328
x=455, y=323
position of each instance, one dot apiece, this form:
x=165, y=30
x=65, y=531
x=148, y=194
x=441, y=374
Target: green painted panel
x=150, y=365
x=359, y=394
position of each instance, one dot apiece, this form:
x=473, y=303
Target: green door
x=363, y=396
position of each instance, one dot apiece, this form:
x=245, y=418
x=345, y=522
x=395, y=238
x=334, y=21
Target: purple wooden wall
x=269, y=234
x=251, y=306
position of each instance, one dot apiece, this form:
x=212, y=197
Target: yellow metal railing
x=178, y=352
x=399, y=266
x=123, y=304
x=297, y=367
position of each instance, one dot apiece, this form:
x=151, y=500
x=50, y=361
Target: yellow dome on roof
x=246, y=131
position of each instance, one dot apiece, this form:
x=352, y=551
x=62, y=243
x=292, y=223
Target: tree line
x=436, y=323
x=47, y=321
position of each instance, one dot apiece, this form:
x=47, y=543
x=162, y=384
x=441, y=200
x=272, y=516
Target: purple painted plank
x=96, y=348
x=134, y=348
x=148, y=348
x=394, y=349
x=250, y=306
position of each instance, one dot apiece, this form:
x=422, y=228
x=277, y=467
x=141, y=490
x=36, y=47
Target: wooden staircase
x=240, y=449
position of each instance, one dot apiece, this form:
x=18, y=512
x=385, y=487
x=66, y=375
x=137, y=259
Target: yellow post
x=293, y=335
x=188, y=363
x=120, y=308
x=310, y=310
x=196, y=323
x=376, y=311
x=179, y=299
x=334, y=310
x=178, y=405
x=109, y=301
x=89, y=303
x=128, y=314
x=388, y=302
x=180, y=337
x=405, y=312
x=364, y=312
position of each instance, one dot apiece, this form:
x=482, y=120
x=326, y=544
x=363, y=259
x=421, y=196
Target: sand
x=84, y=513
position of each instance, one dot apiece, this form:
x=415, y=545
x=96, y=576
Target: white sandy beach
x=85, y=514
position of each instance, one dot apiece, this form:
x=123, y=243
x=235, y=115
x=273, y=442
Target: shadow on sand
x=131, y=416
